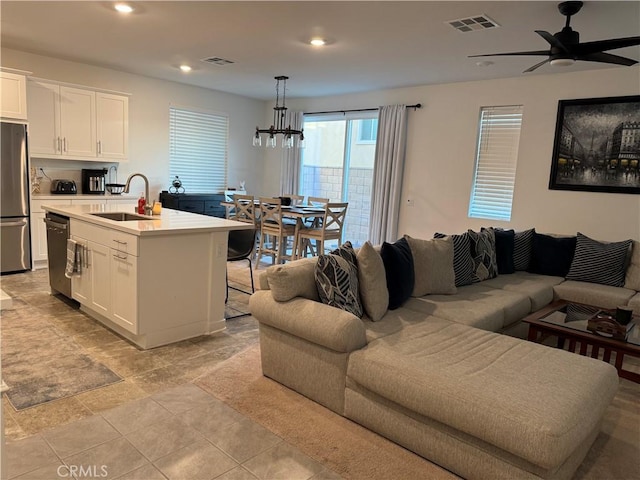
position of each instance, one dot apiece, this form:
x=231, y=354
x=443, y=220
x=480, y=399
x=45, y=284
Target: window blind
x=496, y=158
x=198, y=143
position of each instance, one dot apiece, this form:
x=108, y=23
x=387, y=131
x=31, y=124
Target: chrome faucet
x=148, y=207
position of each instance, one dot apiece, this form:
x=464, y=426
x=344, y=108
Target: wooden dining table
x=299, y=213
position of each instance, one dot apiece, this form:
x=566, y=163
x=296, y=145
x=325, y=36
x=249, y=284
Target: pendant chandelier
x=278, y=126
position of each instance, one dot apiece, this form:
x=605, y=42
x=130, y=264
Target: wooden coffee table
x=568, y=322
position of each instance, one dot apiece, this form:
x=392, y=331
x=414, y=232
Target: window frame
x=194, y=177
x=496, y=159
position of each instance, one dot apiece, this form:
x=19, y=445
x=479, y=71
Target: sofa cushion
x=599, y=262
x=632, y=279
x=294, y=279
x=463, y=265
x=433, y=266
x=522, y=249
x=483, y=252
x=475, y=305
x=539, y=288
x=392, y=322
x=604, y=296
x=552, y=255
x=337, y=283
x=533, y=401
x=372, y=282
x=505, y=245
x=398, y=266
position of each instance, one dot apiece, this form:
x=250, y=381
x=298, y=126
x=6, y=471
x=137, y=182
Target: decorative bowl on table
x=115, y=188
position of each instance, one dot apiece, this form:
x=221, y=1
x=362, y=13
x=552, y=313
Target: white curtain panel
x=387, y=173
x=290, y=164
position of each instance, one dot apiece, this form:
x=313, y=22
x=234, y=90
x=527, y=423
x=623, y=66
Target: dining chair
x=244, y=209
x=330, y=227
x=272, y=225
x=295, y=199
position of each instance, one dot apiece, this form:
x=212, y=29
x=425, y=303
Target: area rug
x=344, y=447
x=40, y=363
x=357, y=453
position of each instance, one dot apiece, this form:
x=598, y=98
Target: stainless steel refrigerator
x=15, y=239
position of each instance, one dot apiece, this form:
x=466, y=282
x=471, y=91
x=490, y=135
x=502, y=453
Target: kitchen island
x=154, y=280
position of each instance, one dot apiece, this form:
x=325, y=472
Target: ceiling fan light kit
x=566, y=49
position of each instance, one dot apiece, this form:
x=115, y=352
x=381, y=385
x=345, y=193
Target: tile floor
x=154, y=424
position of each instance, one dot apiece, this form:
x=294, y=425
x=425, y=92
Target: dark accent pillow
x=552, y=255
x=463, y=265
x=337, y=284
x=483, y=252
x=398, y=266
x=599, y=262
x=522, y=248
x=505, y=246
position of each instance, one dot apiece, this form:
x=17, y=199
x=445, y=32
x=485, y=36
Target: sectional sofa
x=443, y=373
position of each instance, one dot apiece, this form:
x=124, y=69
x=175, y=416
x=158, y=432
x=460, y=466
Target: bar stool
x=330, y=228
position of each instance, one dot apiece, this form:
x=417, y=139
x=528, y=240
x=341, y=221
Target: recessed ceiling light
x=484, y=63
x=318, y=42
x=123, y=8
x=185, y=68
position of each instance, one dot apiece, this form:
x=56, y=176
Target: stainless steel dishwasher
x=57, y=235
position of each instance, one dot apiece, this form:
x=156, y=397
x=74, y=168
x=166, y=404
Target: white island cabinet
x=154, y=281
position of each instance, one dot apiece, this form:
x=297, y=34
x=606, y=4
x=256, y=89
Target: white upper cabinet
x=13, y=100
x=77, y=123
x=112, y=126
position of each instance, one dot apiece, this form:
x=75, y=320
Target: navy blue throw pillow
x=398, y=266
x=552, y=255
x=505, y=244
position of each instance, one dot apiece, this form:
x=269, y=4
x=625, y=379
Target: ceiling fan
x=566, y=47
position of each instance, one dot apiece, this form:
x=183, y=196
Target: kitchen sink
x=121, y=216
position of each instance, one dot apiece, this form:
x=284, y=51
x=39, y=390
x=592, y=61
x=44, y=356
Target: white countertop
x=169, y=222
x=106, y=196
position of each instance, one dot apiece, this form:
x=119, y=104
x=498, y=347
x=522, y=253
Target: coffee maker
x=93, y=181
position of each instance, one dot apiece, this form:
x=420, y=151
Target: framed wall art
x=597, y=145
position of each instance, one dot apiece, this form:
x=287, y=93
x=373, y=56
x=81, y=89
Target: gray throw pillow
x=433, y=266
x=337, y=284
x=372, y=282
x=632, y=279
x=599, y=262
x=294, y=279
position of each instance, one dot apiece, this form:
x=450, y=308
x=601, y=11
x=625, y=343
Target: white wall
x=149, y=119
x=441, y=148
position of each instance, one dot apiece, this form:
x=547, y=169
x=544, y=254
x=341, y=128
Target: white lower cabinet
x=108, y=283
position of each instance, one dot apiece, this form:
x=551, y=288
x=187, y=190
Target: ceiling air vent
x=470, y=24
x=217, y=61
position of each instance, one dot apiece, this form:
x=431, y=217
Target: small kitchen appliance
x=63, y=187
x=93, y=181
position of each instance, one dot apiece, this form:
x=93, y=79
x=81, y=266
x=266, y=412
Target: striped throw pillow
x=522, y=249
x=463, y=264
x=599, y=262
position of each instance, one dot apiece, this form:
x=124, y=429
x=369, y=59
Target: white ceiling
x=373, y=45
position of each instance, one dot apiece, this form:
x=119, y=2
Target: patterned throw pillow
x=598, y=262
x=522, y=249
x=483, y=251
x=337, y=283
x=347, y=252
x=463, y=265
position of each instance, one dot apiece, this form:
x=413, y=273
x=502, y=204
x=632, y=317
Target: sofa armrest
x=314, y=321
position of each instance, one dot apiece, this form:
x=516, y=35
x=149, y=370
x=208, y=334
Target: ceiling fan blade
x=533, y=52
x=531, y=69
x=604, y=45
x=607, y=58
x=553, y=41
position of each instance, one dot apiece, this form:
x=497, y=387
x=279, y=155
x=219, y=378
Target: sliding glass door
x=337, y=163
